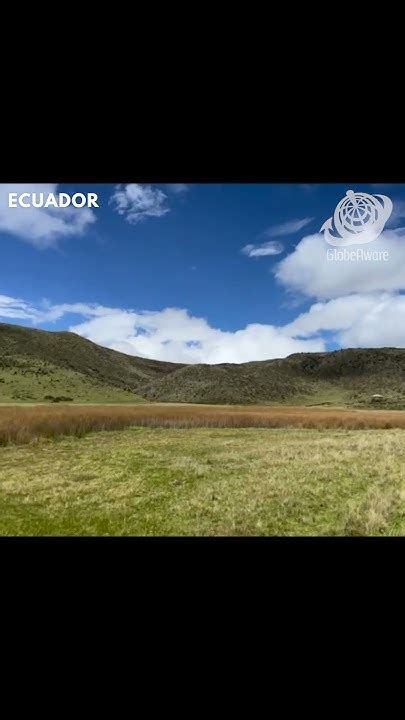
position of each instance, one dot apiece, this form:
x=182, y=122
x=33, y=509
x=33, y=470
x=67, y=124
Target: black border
x=304, y=147
x=189, y=559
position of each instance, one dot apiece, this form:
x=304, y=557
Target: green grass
x=144, y=481
x=30, y=381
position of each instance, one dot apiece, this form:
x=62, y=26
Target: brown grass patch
x=21, y=425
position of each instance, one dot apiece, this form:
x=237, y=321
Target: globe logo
x=358, y=218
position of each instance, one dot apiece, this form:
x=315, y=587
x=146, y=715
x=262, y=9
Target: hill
x=37, y=365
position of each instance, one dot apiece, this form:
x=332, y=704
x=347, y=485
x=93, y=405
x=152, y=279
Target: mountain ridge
x=41, y=360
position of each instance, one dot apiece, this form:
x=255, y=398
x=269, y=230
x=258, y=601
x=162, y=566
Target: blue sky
x=200, y=273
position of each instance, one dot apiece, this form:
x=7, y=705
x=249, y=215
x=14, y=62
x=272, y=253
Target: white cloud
x=383, y=325
x=268, y=248
x=273, y=247
x=138, y=202
x=174, y=335
x=171, y=334
x=41, y=227
x=373, y=320
x=334, y=315
x=45, y=312
x=15, y=308
x=308, y=271
x=287, y=228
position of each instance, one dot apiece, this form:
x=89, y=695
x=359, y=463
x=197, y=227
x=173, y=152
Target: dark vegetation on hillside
x=61, y=361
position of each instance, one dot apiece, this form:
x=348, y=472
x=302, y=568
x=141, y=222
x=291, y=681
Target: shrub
x=58, y=398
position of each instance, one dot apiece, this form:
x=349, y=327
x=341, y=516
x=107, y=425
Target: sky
x=201, y=273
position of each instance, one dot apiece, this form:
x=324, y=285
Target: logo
x=358, y=218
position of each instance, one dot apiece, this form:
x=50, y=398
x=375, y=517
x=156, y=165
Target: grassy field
x=206, y=481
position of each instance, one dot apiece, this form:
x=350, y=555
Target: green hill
x=41, y=366
x=35, y=364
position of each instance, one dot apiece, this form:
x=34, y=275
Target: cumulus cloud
x=261, y=250
x=373, y=320
x=41, y=227
x=174, y=335
x=137, y=202
x=171, y=334
x=308, y=271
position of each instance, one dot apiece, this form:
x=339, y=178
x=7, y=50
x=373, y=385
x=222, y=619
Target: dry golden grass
x=21, y=425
